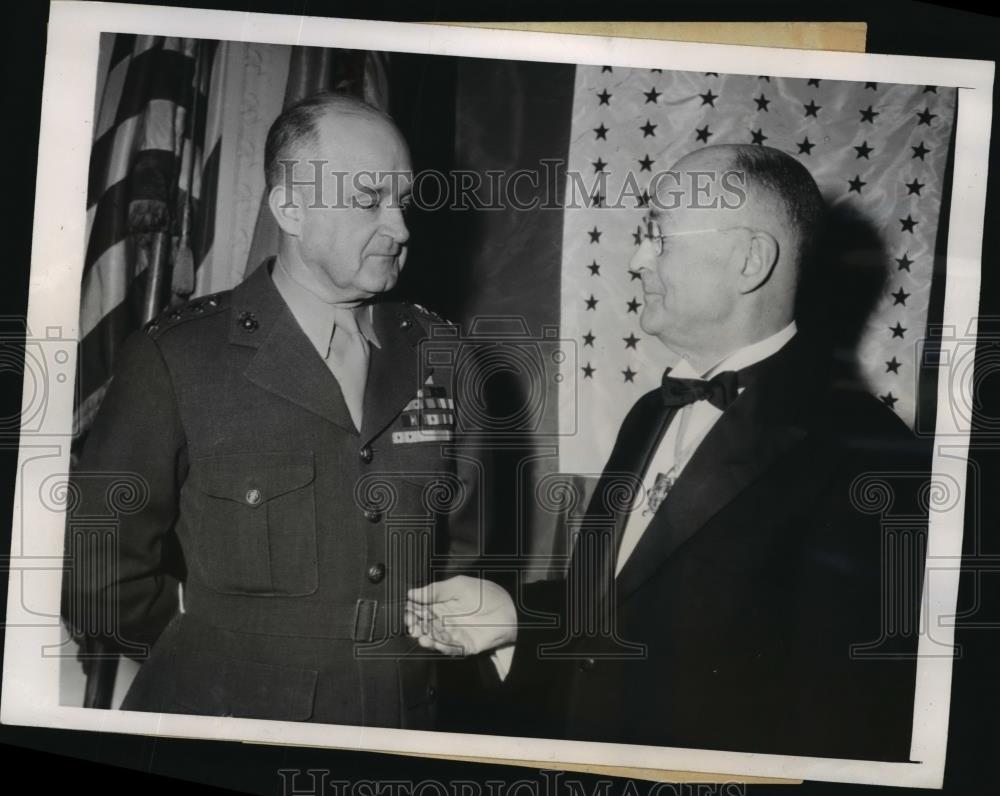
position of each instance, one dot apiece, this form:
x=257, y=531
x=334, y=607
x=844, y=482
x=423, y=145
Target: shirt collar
x=315, y=316
x=741, y=357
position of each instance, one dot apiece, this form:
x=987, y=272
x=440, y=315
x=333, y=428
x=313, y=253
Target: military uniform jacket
x=295, y=536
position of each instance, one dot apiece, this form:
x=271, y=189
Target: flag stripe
x=111, y=155
x=151, y=170
x=111, y=216
x=105, y=285
x=186, y=46
x=196, y=130
x=110, y=223
x=144, y=43
x=110, y=97
x=122, y=48
x=203, y=230
x=111, y=158
x=155, y=74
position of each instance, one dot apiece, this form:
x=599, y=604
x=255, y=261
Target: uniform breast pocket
x=256, y=532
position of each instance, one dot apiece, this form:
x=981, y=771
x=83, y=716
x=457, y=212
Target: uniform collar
x=315, y=316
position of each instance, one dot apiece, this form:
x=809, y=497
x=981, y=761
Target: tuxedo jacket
x=295, y=535
x=770, y=605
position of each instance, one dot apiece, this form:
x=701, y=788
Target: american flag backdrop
x=151, y=195
x=178, y=144
x=879, y=151
x=167, y=115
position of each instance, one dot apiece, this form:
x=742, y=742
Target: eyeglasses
x=654, y=234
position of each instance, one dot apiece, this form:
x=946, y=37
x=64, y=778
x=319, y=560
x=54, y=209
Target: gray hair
x=296, y=127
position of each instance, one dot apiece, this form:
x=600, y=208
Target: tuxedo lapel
x=635, y=448
x=640, y=433
x=285, y=362
x=763, y=424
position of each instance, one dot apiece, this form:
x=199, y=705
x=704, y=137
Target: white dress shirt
x=686, y=431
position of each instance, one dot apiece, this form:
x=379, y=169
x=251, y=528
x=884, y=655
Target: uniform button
x=431, y=691
x=247, y=321
x=366, y=454
x=372, y=516
x=376, y=572
x=587, y=664
x=253, y=496
x=405, y=323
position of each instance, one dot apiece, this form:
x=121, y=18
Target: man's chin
x=390, y=280
x=654, y=321
x=385, y=279
x=651, y=319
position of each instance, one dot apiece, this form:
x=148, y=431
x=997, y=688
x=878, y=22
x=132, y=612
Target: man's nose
x=395, y=225
x=643, y=255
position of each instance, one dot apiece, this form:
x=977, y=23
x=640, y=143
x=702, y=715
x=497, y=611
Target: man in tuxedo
x=272, y=436
x=737, y=600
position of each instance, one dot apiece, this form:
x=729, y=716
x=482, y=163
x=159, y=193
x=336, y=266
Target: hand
x=461, y=616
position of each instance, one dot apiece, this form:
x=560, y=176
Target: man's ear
x=761, y=258
x=286, y=206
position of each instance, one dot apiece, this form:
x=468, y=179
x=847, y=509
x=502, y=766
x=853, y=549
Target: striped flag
x=151, y=193
x=878, y=153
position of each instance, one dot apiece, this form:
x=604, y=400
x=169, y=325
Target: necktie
x=348, y=361
x=720, y=390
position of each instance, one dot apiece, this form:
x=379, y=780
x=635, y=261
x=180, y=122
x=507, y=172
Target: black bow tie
x=720, y=390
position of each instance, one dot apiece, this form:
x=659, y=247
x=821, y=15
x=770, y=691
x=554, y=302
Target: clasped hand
x=461, y=616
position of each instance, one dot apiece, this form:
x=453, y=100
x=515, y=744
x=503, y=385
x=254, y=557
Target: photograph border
x=30, y=682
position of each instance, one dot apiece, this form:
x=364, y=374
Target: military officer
x=293, y=449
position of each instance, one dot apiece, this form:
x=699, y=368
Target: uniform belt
x=363, y=621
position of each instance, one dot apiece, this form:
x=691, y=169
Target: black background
x=61, y=761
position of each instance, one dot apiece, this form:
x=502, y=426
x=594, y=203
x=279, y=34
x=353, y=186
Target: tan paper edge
x=840, y=36
x=650, y=774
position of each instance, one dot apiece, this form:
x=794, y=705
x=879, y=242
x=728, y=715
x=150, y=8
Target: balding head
x=295, y=134
x=339, y=178
x=780, y=184
x=780, y=192
x=737, y=222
